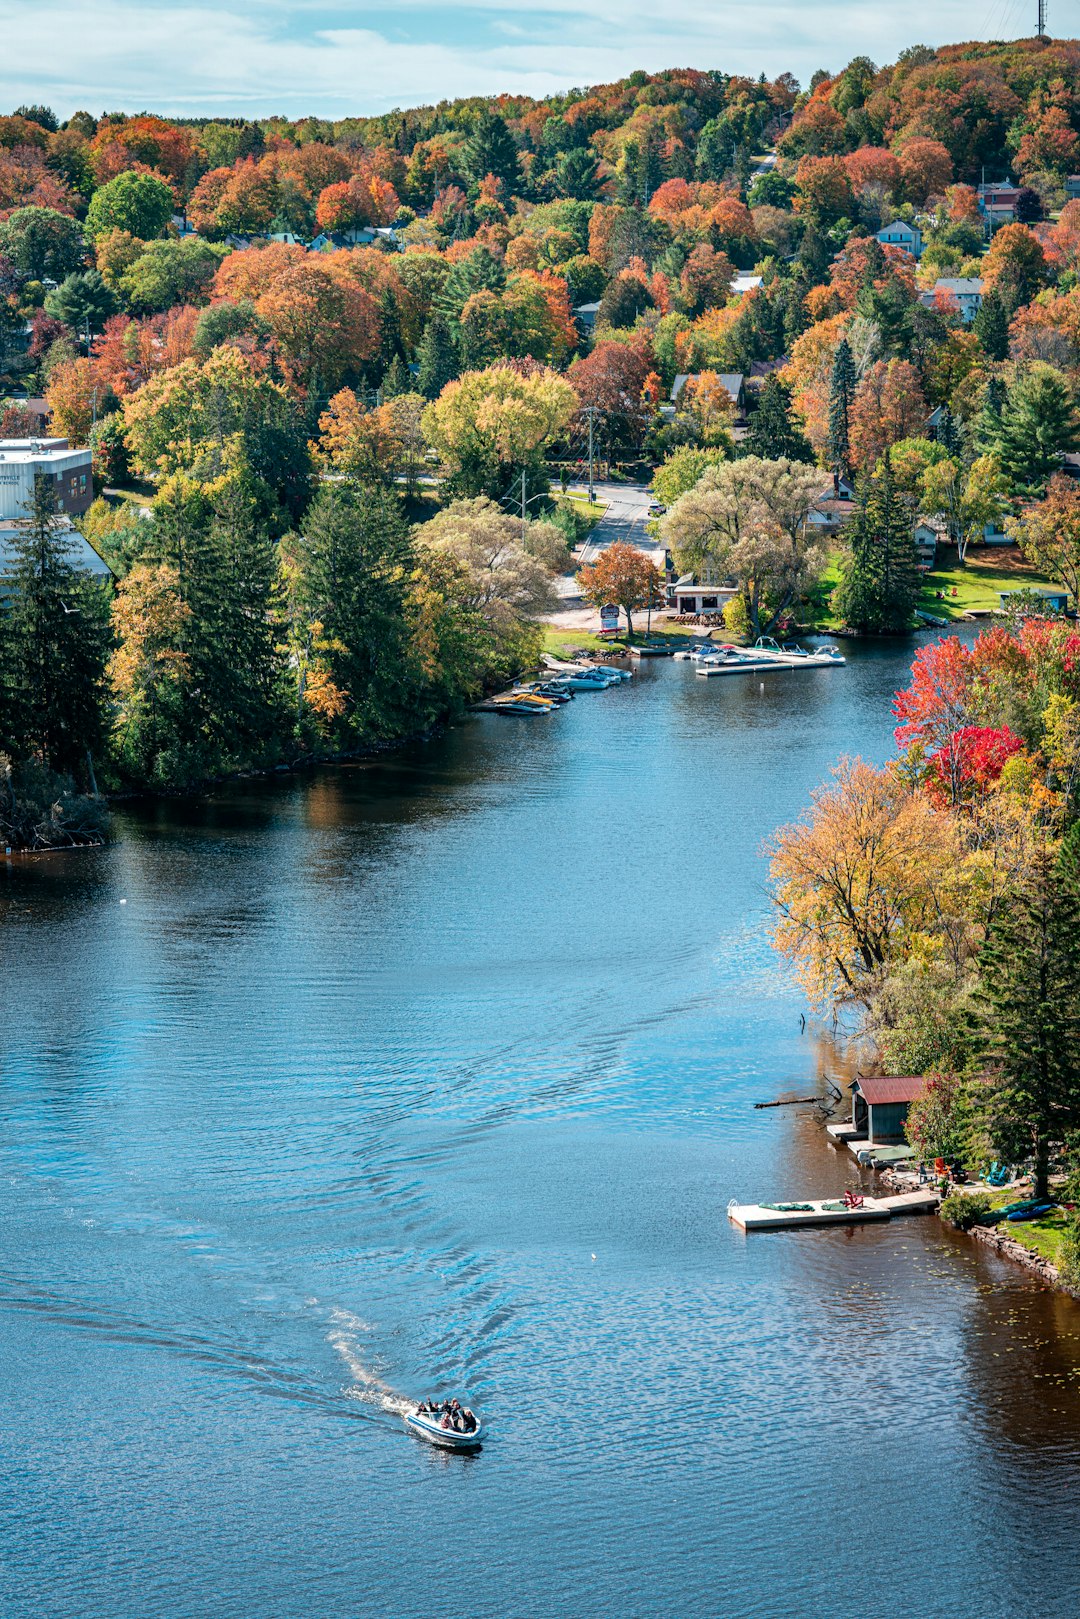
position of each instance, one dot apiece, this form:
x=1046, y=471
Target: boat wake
x=367, y=1386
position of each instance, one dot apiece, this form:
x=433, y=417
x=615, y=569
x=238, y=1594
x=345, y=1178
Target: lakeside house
x=745, y=283
x=879, y=1105
x=902, y=235
x=689, y=596
x=965, y=291
x=833, y=507
x=585, y=315
x=930, y=532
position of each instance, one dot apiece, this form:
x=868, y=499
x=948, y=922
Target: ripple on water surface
x=436, y=1075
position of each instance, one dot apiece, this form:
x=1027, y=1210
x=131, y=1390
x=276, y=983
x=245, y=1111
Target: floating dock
x=828, y=1211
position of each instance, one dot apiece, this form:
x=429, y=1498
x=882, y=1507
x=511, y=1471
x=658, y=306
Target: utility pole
x=523, y=505
x=590, y=414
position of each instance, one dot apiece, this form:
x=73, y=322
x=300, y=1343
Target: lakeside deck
x=825, y=1212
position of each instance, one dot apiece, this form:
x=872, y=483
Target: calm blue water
x=437, y=1075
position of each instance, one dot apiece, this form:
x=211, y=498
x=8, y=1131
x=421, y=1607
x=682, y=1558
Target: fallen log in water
x=790, y=1101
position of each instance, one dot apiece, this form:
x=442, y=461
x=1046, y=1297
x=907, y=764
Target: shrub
x=1069, y=1252
x=965, y=1209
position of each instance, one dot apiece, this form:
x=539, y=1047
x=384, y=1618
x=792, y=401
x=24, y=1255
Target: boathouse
x=880, y=1102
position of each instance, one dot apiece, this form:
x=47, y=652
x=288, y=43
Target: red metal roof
x=879, y=1088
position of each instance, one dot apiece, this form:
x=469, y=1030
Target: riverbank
x=1033, y=1244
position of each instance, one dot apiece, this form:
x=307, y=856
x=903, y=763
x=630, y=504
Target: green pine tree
x=991, y=327
x=988, y=421
x=490, y=149
x=1039, y=422
x=480, y=271
x=438, y=357
x=354, y=558
x=1030, y=995
x=55, y=643
x=397, y=379
x=234, y=601
x=391, y=344
x=772, y=433
x=841, y=393
x=879, y=578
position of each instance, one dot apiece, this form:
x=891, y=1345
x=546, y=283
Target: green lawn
x=559, y=642
x=584, y=507
x=1042, y=1236
x=976, y=585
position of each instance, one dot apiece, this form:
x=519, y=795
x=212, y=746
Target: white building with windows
x=22, y=460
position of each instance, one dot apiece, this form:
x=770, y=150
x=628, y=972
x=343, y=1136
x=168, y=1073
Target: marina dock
x=828, y=1211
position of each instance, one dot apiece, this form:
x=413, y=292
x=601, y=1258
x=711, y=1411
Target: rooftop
x=877, y=1089
x=22, y=451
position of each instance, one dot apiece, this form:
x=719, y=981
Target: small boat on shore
x=430, y=1427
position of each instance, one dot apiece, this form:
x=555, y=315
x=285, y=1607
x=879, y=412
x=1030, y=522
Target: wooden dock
x=828, y=1211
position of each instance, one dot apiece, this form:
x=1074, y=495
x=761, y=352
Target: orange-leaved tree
x=624, y=576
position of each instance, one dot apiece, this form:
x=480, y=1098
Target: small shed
x=880, y=1102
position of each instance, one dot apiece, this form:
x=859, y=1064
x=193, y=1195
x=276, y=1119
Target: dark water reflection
x=437, y=1073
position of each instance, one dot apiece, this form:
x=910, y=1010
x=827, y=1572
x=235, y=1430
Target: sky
x=260, y=57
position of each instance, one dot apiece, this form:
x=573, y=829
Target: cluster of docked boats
x=710, y=659
x=560, y=685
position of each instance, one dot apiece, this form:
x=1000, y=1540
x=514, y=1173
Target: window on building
x=707, y=601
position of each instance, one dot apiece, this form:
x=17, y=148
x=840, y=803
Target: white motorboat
x=612, y=672
x=583, y=680
x=429, y=1426
x=766, y=655
x=766, y=647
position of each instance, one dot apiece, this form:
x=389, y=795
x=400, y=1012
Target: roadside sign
x=609, y=619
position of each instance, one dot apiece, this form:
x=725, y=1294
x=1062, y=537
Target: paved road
x=625, y=519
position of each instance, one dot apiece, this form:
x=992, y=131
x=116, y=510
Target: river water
x=436, y=1075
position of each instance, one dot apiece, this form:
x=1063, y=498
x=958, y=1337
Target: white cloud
x=288, y=55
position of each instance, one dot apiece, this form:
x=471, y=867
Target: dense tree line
x=281, y=330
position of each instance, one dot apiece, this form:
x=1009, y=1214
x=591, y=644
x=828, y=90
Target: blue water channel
x=436, y=1075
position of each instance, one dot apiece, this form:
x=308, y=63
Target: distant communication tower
x=1041, y=32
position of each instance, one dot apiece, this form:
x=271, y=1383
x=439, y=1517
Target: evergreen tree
x=879, y=580
x=841, y=394
x=219, y=542
x=490, y=149
x=991, y=327
x=438, y=357
x=391, y=344
x=480, y=271
x=397, y=380
x=815, y=255
x=236, y=664
x=1039, y=422
x=1030, y=995
x=55, y=643
x=772, y=433
x=577, y=174
x=648, y=170
x=988, y=421
x=353, y=560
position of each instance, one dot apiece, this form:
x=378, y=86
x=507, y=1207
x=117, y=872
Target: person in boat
x=468, y=1421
